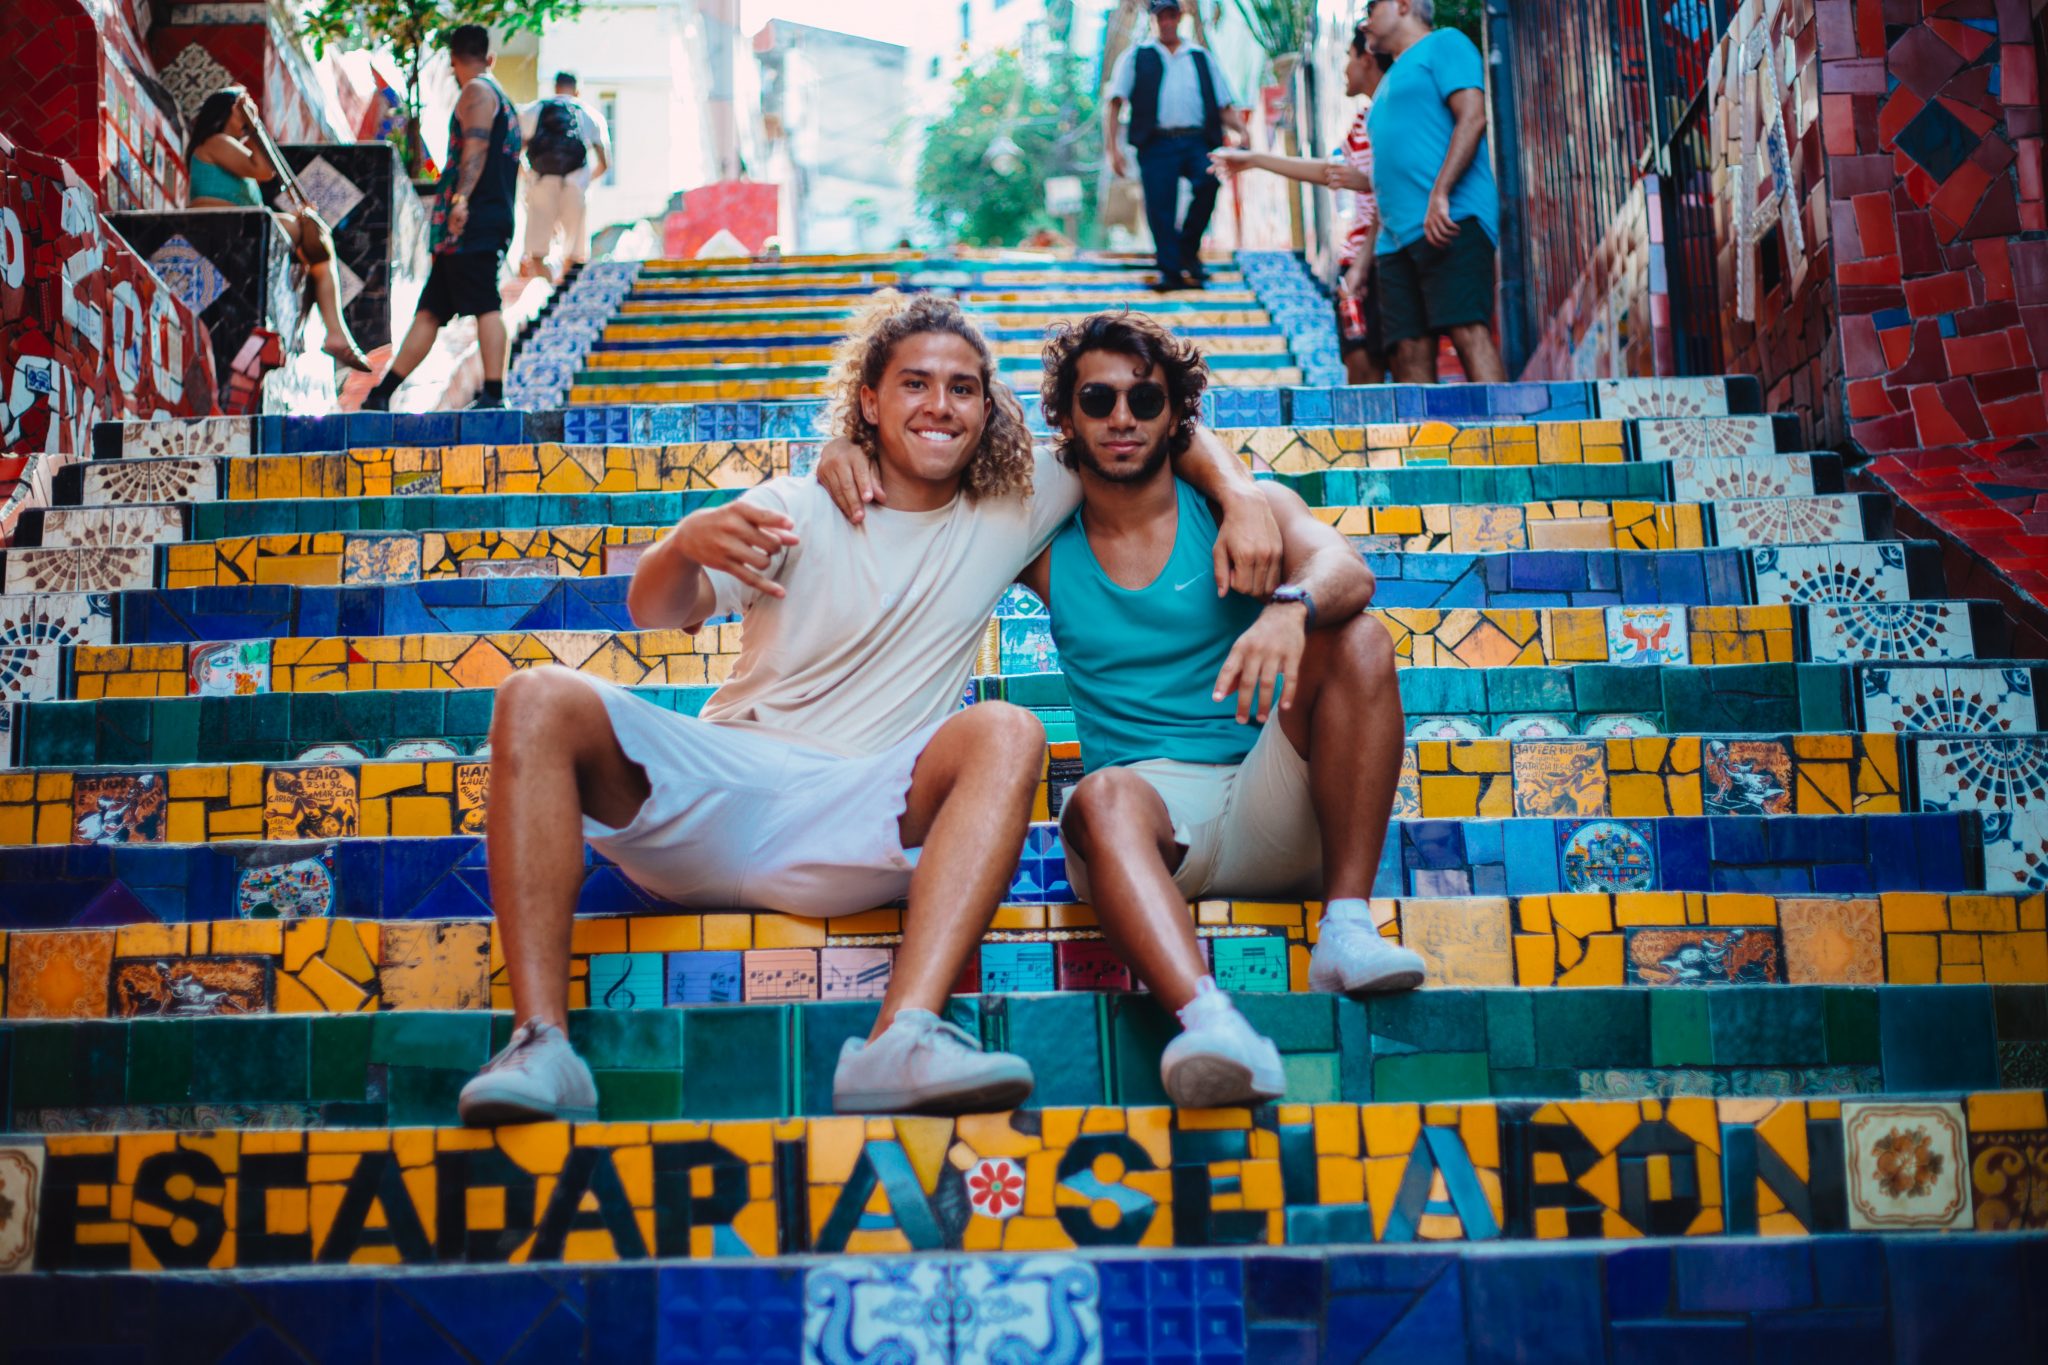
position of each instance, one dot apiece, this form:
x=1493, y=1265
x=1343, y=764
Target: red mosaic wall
x=1934, y=160
x=746, y=209
x=1615, y=322
x=71, y=84
x=87, y=331
x=239, y=44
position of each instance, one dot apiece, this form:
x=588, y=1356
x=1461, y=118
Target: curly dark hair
x=1179, y=362
x=1001, y=464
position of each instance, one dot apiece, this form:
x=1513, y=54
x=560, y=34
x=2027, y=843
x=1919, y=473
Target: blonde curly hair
x=1001, y=464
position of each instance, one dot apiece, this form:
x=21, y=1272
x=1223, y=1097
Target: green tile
x=736, y=1061
x=1037, y=690
x=1528, y=689
x=1827, y=699
x=1304, y=1022
x=1061, y=1036
x=464, y=712
x=1679, y=1035
x=1616, y=687
x=1420, y=1077
x=423, y=1096
x=1430, y=1021
x=1735, y=699
x=1852, y=1031
x=1510, y=1028
x=1312, y=1078
x=1442, y=691
x=451, y=1039
x=251, y=1060
x=341, y=1056
x=1533, y=1083
x=1767, y=1025
x=160, y=1061
x=822, y=1030
x=629, y=1040
x=59, y=1065
x=639, y=1095
x=1354, y=1052
x=174, y=731
x=1592, y=1028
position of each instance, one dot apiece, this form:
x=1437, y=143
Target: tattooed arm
x=476, y=111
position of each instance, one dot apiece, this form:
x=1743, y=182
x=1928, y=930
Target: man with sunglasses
x=1234, y=747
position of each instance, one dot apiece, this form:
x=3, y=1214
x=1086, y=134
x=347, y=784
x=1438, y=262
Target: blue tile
x=1278, y=1287
x=1952, y=1299
x=1938, y=1038
x=491, y=427
x=1849, y=1271
x=1639, y=1282
x=1743, y=1276
x=1826, y=1334
x=1705, y=1342
x=1528, y=1309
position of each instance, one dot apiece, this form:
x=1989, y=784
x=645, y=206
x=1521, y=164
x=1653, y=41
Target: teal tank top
x=1141, y=665
x=215, y=182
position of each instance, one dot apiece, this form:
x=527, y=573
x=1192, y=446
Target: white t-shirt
x=880, y=629
x=596, y=139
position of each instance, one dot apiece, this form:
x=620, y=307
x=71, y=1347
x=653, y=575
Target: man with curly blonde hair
x=835, y=771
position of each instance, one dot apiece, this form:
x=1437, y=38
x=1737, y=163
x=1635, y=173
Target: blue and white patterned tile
x=1907, y=632
x=63, y=618
x=987, y=1310
x=1621, y=399
x=1445, y=727
x=1742, y=476
x=1648, y=636
x=2006, y=778
x=1822, y=520
x=1704, y=438
x=857, y=1312
x=1873, y=571
x=1963, y=701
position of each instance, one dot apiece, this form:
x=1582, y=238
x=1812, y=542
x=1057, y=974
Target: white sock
x=1349, y=910
x=1207, y=997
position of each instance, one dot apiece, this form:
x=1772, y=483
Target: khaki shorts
x=1250, y=831
x=741, y=819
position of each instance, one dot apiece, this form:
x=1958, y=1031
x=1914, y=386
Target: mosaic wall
x=1616, y=319
x=87, y=331
x=1027, y=1183
x=75, y=84
x=208, y=45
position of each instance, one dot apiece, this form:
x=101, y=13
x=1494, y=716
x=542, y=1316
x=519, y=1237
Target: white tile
x=1823, y=520
x=1909, y=632
x=1908, y=1165
x=1874, y=571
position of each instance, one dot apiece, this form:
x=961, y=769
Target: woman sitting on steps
x=227, y=162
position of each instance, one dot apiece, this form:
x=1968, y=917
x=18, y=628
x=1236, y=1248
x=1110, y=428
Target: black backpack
x=557, y=146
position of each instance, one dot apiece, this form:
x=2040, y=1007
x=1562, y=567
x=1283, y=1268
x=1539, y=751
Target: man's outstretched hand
x=850, y=477
x=741, y=538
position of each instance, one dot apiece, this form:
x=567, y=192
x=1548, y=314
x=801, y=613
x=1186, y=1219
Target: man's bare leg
x=1414, y=360
x=554, y=758
x=1361, y=368
x=1346, y=721
x=1120, y=827
x=492, y=344
x=1478, y=354
x=968, y=808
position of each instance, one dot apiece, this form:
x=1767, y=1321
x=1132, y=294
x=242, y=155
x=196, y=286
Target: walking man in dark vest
x=1182, y=106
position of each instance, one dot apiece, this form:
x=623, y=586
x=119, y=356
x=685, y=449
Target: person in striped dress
x=1348, y=170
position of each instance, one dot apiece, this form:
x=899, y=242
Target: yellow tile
x=1912, y=959
x=1601, y=965
x=1914, y=912
x=2008, y=1111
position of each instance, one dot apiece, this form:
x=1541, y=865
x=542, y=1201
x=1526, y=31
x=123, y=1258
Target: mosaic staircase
x=1721, y=828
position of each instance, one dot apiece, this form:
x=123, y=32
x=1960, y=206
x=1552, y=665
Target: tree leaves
x=1047, y=110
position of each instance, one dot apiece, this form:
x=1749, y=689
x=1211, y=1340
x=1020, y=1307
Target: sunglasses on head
x=1099, y=400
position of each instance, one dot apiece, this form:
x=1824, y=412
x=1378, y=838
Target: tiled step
x=1669, y=432
x=1546, y=638
x=1794, y=1297
x=422, y=876
x=1923, y=633
x=773, y=1061
x=1627, y=779
x=1596, y=700
x=309, y=963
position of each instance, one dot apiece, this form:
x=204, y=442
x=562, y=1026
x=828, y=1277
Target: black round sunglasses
x=1098, y=401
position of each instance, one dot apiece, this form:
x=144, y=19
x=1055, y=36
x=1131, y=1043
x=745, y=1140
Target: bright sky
x=913, y=23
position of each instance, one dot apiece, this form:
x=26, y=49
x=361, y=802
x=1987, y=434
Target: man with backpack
x=1182, y=108
x=567, y=146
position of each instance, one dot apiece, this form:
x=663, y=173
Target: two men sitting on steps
x=838, y=747
x=860, y=634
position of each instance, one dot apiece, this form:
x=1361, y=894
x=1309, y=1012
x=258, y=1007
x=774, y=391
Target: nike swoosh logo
x=1183, y=587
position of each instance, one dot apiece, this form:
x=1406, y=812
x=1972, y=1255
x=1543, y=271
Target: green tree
x=412, y=29
x=981, y=177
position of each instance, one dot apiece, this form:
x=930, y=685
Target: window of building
x=608, y=106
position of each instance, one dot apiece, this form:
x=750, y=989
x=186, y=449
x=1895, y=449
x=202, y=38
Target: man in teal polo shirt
x=1439, y=209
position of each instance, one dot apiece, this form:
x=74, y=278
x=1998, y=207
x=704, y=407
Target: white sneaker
x=1352, y=959
x=538, y=1078
x=923, y=1065
x=1221, y=1059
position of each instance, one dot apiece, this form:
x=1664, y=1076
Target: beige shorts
x=1250, y=831
x=739, y=818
